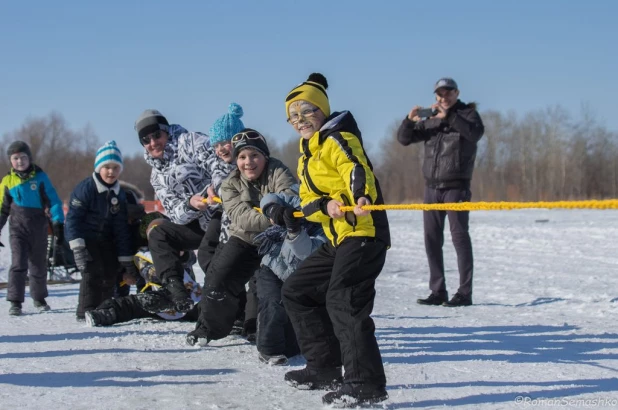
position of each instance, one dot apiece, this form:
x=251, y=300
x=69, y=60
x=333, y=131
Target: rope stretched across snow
x=484, y=206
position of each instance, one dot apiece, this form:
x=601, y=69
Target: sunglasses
x=247, y=135
x=145, y=140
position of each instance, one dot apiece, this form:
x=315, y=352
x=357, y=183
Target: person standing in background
x=450, y=133
x=27, y=194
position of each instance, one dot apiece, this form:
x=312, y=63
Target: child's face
x=224, y=151
x=251, y=163
x=306, y=118
x=109, y=173
x=20, y=161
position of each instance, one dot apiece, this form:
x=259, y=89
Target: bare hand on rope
x=333, y=207
x=359, y=210
x=198, y=202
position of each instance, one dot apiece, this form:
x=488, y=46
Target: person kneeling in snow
x=154, y=301
x=235, y=263
x=284, y=245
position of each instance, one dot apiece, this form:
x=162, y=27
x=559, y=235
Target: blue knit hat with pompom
x=109, y=153
x=226, y=126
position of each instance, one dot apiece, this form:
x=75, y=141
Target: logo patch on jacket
x=115, y=206
x=33, y=185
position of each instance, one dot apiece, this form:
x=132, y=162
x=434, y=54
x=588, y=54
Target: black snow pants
x=209, y=243
x=29, y=258
x=99, y=279
x=330, y=299
x=165, y=243
x=233, y=265
x=433, y=222
x=275, y=333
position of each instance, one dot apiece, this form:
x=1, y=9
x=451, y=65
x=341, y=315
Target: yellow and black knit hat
x=313, y=90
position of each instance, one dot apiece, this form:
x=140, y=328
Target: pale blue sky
x=103, y=63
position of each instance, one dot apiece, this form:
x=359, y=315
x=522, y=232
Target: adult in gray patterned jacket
x=183, y=167
x=450, y=133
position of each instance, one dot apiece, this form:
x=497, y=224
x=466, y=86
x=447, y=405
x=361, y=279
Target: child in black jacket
x=98, y=232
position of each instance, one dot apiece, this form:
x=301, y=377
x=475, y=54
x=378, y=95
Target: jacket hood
x=340, y=122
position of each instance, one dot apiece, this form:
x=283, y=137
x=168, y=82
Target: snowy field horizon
x=542, y=333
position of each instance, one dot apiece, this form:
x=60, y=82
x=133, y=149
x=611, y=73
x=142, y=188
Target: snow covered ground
x=543, y=333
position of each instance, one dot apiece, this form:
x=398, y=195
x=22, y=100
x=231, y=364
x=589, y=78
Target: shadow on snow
x=559, y=389
x=55, y=337
x=127, y=378
x=512, y=344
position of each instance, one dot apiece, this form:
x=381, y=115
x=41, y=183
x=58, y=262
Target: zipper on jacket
x=435, y=156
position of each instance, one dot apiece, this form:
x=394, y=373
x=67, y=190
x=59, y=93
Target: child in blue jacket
x=284, y=246
x=98, y=232
x=28, y=196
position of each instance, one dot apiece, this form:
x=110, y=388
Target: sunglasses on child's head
x=247, y=135
x=145, y=140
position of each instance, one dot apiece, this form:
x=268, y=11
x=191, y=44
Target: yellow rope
x=483, y=206
x=494, y=206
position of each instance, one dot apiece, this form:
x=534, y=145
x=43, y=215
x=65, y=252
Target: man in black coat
x=450, y=131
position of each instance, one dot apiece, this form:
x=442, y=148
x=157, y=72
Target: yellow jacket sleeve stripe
x=349, y=158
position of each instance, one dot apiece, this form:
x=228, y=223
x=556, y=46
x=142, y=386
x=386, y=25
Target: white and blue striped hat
x=108, y=153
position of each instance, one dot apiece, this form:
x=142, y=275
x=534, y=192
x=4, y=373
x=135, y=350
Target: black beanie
x=17, y=147
x=150, y=121
x=252, y=139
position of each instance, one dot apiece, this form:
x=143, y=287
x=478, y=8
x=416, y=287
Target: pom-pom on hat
x=17, y=147
x=313, y=90
x=109, y=153
x=226, y=126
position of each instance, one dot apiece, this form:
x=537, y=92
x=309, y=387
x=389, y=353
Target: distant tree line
x=67, y=155
x=542, y=155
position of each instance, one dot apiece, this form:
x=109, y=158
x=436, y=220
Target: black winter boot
x=249, y=330
x=100, y=317
x=434, y=299
x=41, y=305
x=199, y=336
x=179, y=294
x=15, y=309
x=273, y=360
x=459, y=300
x=237, y=328
x=315, y=379
x=354, y=395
